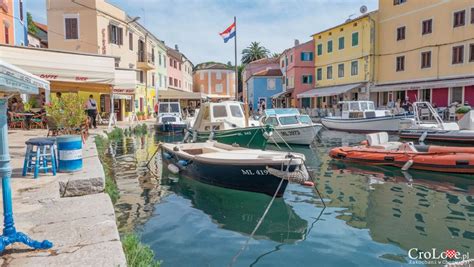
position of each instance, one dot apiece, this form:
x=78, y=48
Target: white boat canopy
x=16, y=80
x=330, y=90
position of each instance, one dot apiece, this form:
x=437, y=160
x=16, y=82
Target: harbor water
x=373, y=217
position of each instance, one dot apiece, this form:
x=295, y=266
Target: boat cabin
x=220, y=116
x=285, y=117
x=169, y=112
x=360, y=110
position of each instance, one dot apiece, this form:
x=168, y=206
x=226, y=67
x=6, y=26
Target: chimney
x=176, y=47
x=297, y=42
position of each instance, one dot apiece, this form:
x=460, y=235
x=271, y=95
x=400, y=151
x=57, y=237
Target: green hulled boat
x=225, y=122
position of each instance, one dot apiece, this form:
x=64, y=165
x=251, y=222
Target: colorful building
x=215, y=80
x=262, y=86
x=187, y=70
x=175, y=74
x=297, y=67
x=6, y=22
x=344, y=62
x=425, y=51
x=254, y=67
x=161, y=70
x=95, y=26
x=20, y=25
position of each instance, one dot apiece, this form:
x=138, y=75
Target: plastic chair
x=40, y=156
x=16, y=121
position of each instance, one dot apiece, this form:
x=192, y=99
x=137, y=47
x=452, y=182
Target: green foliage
x=140, y=129
x=463, y=110
x=110, y=186
x=138, y=254
x=33, y=102
x=116, y=134
x=67, y=111
x=254, y=52
x=31, y=26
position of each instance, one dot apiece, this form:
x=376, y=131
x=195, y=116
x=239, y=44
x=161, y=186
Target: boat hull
x=249, y=137
x=439, y=159
x=252, y=178
x=378, y=124
x=170, y=127
x=462, y=136
x=301, y=135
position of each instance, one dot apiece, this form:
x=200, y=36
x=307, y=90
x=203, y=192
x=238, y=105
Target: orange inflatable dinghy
x=379, y=151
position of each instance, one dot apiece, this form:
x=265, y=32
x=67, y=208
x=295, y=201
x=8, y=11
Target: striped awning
x=445, y=83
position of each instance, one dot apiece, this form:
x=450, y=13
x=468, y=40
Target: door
x=118, y=109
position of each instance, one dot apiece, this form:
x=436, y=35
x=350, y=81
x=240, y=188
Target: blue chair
x=40, y=156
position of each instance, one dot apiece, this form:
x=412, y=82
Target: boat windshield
x=271, y=121
x=305, y=119
x=287, y=120
x=354, y=106
x=169, y=108
x=219, y=111
x=174, y=107
x=235, y=111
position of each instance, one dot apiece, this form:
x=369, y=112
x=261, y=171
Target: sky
x=194, y=25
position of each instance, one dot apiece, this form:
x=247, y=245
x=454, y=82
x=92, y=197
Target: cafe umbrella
x=14, y=80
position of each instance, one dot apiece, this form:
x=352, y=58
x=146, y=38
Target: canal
x=374, y=215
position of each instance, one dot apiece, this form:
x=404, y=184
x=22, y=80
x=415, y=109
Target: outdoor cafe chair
x=37, y=121
x=16, y=121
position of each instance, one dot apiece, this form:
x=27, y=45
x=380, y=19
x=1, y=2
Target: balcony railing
x=146, y=57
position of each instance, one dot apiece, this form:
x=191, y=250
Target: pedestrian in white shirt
x=91, y=107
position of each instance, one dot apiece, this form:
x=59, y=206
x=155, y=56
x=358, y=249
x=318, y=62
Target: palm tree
x=253, y=52
x=275, y=55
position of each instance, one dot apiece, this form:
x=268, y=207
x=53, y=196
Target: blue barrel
x=69, y=153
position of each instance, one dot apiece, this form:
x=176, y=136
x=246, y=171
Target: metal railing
x=146, y=57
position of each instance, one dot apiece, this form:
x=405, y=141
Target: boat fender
x=183, y=162
x=173, y=168
x=235, y=145
x=267, y=134
x=167, y=155
x=211, y=136
x=308, y=183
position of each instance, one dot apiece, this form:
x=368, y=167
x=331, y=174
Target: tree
x=253, y=52
x=31, y=25
x=275, y=55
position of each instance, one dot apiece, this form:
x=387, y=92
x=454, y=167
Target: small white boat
x=169, y=117
x=361, y=116
x=290, y=126
x=235, y=167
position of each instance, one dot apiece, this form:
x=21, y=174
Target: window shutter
x=302, y=56
x=110, y=33
x=311, y=56
x=74, y=31
x=310, y=79
x=120, y=36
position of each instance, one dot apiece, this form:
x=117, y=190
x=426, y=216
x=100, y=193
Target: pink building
x=297, y=66
x=257, y=66
x=174, y=68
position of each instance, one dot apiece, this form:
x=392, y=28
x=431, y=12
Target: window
x=398, y=2
x=153, y=80
x=291, y=58
x=201, y=75
x=472, y=15
x=175, y=64
x=427, y=27
x=130, y=41
x=175, y=82
x=329, y=72
x=179, y=66
x=271, y=84
x=286, y=60
x=153, y=54
x=306, y=56
x=330, y=46
x=355, y=39
x=425, y=95
x=283, y=63
x=71, y=28
x=320, y=49
x=170, y=81
x=115, y=35
x=219, y=88
x=7, y=34
x=307, y=79
x=340, y=70
x=141, y=76
x=456, y=95
x=354, y=68
x=21, y=10
x=171, y=62
x=458, y=54
x=271, y=121
x=341, y=43
x=159, y=59
x=288, y=120
x=219, y=111
x=401, y=63
x=319, y=74
x=164, y=61
x=219, y=75
x=426, y=60
x=401, y=33
x=471, y=53
x=459, y=18
x=235, y=111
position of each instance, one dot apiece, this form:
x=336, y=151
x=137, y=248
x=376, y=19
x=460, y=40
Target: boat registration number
x=257, y=172
x=290, y=133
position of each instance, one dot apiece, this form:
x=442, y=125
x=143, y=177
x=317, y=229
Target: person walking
x=91, y=107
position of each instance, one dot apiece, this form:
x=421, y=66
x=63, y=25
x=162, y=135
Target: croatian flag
x=229, y=33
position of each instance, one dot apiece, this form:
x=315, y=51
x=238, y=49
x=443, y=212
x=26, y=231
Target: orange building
x=215, y=80
x=6, y=22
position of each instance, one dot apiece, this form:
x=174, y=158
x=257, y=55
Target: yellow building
x=344, y=62
x=425, y=51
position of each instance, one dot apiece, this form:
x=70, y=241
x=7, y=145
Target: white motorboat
x=290, y=126
x=361, y=116
x=422, y=110
x=234, y=167
x=169, y=117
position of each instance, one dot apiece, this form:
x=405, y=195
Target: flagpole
x=236, y=67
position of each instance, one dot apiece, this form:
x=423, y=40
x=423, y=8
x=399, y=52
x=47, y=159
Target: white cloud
x=194, y=24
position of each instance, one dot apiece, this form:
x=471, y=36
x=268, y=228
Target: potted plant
x=140, y=115
x=67, y=112
x=461, y=111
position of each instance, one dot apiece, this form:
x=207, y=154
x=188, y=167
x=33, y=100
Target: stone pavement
x=82, y=227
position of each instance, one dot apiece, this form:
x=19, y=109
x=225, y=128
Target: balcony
x=145, y=61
